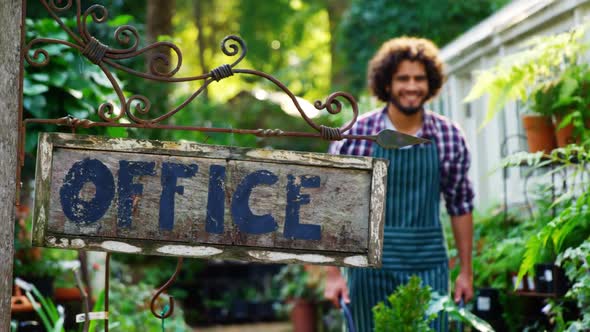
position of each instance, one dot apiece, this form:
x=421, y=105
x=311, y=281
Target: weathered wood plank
x=191, y=149
x=10, y=66
x=252, y=204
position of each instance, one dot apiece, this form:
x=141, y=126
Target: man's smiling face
x=409, y=87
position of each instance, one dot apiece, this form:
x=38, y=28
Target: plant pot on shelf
x=565, y=135
x=487, y=304
x=540, y=133
x=550, y=279
x=527, y=284
x=517, y=286
x=67, y=294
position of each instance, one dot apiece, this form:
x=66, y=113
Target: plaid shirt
x=453, y=154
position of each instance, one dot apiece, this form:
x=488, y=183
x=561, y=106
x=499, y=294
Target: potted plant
x=413, y=306
x=407, y=309
x=301, y=289
x=529, y=76
x=41, y=273
x=575, y=263
x=570, y=102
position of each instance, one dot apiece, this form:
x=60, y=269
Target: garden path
x=255, y=327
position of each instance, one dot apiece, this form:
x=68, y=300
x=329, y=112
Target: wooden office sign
x=195, y=200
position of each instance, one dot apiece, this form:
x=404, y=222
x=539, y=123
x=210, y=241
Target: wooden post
x=10, y=45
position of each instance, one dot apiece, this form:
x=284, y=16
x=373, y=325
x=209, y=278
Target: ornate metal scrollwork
x=137, y=109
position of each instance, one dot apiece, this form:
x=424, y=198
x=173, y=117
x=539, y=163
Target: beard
x=406, y=110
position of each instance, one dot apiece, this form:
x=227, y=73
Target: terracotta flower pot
x=303, y=316
x=540, y=133
x=67, y=294
x=565, y=135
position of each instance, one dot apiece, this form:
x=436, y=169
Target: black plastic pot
x=550, y=279
x=44, y=284
x=487, y=304
x=30, y=326
x=239, y=310
x=261, y=311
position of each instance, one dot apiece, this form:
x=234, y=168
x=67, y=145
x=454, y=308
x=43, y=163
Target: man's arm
x=463, y=233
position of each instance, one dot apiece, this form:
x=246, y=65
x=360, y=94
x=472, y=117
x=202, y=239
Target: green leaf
x=568, y=86
x=40, y=77
x=35, y=105
x=31, y=89
x=120, y=20
x=58, y=79
x=100, y=79
x=478, y=323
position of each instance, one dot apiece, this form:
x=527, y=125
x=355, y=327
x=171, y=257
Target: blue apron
x=413, y=241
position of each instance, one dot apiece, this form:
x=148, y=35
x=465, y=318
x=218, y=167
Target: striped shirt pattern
x=453, y=154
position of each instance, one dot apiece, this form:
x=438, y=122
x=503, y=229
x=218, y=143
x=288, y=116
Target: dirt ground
x=257, y=327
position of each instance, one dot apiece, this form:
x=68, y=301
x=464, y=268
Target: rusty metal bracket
x=166, y=313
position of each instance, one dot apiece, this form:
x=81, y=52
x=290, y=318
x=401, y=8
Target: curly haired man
x=406, y=73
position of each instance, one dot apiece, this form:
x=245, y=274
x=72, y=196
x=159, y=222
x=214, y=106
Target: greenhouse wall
x=480, y=48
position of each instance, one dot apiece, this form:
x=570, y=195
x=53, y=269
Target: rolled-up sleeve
x=457, y=189
x=337, y=147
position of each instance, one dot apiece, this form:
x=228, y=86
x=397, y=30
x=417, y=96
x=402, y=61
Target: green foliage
x=367, y=24
x=129, y=310
x=68, y=85
x=570, y=99
x=406, y=309
x=576, y=262
x=499, y=244
x=295, y=282
x=562, y=221
x=33, y=262
x=529, y=74
x=446, y=304
x=52, y=317
x=569, y=228
x=413, y=306
x=561, y=227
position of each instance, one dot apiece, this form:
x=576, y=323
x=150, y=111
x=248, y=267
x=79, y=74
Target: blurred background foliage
x=315, y=47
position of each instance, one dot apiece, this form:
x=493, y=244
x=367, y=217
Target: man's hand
x=464, y=287
x=335, y=286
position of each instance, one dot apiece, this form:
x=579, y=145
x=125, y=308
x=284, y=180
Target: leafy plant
x=413, y=306
x=51, y=316
x=576, y=262
x=446, y=304
x=129, y=310
x=296, y=283
x=528, y=74
x=569, y=228
x=561, y=227
x=407, y=309
x=34, y=262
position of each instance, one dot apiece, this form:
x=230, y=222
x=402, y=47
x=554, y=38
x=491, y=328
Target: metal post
x=10, y=96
